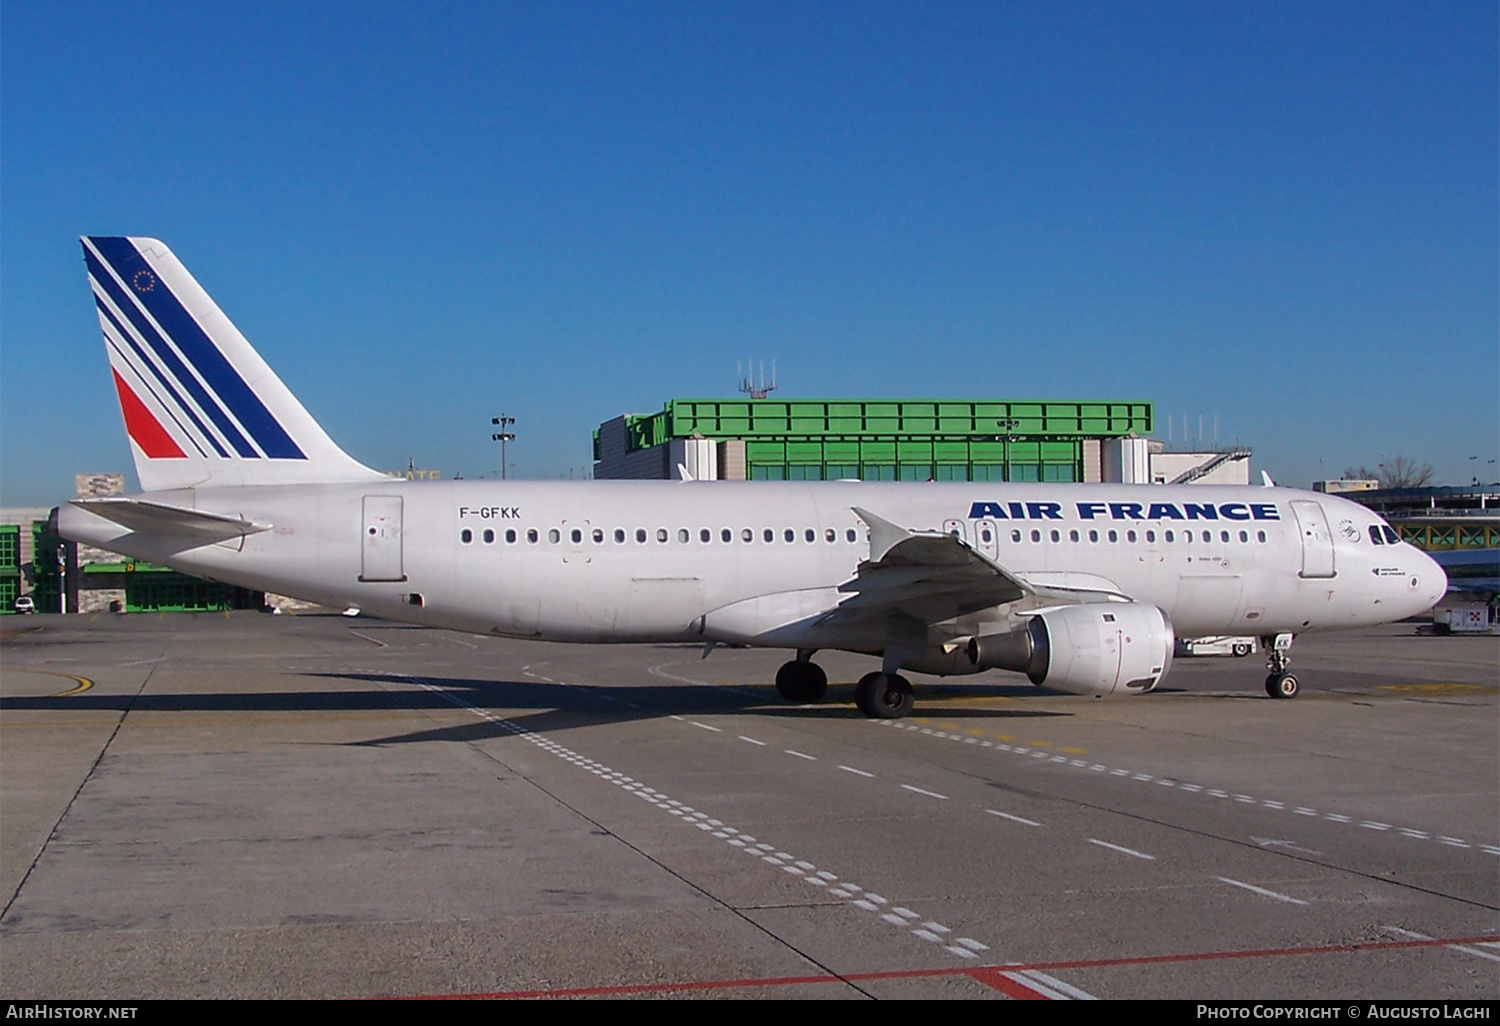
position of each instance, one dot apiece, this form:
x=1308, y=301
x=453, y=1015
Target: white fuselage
x=755, y=562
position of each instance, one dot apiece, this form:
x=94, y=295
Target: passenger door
x=380, y=554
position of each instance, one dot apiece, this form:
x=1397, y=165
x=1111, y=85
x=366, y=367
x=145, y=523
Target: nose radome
x=1433, y=581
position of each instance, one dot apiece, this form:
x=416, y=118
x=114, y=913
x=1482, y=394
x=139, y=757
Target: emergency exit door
x=381, y=539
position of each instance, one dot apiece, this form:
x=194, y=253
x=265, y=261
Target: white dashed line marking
x=1262, y=891
x=1121, y=849
x=856, y=772
x=1013, y=819
x=904, y=918
x=930, y=794
x=1050, y=986
x=752, y=740
x=1465, y=948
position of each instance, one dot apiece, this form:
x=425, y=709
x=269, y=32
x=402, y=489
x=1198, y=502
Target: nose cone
x=1429, y=583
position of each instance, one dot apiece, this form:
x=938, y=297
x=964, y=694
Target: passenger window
x=1223, y=536
x=1130, y=537
x=768, y=534
x=661, y=535
x=682, y=535
x=1114, y=536
x=554, y=536
x=531, y=535
x=510, y=536
x=1244, y=536
x=1015, y=536
x=1260, y=536
x=810, y=535
x=726, y=535
x=1056, y=536
x=1169, y=536
x=789, y=535
x=1036, y=536
x=576, y=535
x=489, y=536
x=747, y=535
x=598, y=536
x=640, y=535
x=619, y=536
x=830, y=536
x=464, y=536
x=1093, y=536
x=705, y=536
x=850, y=534
x=1072, y=536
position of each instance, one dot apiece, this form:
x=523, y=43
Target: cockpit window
x=1391, y=537
x=1375, y=538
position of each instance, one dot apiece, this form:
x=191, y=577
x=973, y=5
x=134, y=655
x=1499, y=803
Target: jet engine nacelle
x=1094, y=649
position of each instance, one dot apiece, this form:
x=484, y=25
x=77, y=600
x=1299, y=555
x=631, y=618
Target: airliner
x=1081, y=587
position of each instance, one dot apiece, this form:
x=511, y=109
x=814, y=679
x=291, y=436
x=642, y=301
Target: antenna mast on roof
x=757, y=388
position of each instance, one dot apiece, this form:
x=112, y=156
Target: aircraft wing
x=926, y=575
x=930, y=577
x=162, y=518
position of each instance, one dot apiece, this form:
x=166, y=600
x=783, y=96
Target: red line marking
x=996, y=979
x=989, y=975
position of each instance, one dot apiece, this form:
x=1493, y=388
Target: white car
x=1215, y=646
x=25, y=604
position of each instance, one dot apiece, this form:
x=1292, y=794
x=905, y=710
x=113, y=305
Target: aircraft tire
x=1282, y=685
x=1242, y=649
x=801, y=682
x=882, y=696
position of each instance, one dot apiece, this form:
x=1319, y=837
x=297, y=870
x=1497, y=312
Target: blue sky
x=1283, y=215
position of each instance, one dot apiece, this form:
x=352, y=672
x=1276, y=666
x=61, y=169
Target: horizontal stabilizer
x=160, y=518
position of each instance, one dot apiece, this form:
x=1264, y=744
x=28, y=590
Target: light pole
x=1007, y=424
x=502, y=436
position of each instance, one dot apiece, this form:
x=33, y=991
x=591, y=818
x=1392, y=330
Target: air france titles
x=1126, y=511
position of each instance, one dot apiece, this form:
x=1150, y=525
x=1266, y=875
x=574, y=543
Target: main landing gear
x=883, y=696
x=1280, y=682
x=801, y=680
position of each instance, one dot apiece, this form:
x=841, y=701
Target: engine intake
x=1093, y=649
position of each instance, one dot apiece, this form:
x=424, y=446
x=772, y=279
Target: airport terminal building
x=903, y=440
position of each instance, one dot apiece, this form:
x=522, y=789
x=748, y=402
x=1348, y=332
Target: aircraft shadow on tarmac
x=536, y=706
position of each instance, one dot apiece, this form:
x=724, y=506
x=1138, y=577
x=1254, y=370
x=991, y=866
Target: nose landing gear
x=1280, y=682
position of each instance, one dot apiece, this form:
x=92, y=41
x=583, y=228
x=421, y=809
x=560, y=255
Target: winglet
x=1265, y=480
x=884, y=535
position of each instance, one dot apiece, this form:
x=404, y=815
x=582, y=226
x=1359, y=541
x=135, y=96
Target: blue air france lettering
x=1126, y=511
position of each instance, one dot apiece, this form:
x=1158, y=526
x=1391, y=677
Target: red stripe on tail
x=145, y=430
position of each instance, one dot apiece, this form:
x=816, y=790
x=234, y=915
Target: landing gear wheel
x=884, y=696
x=1241, y=649
x=801, y=682
x=1282, y=685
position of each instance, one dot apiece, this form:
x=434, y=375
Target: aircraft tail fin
x=200, y=405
